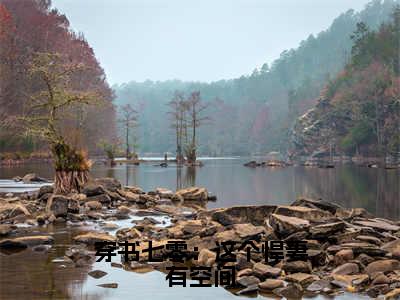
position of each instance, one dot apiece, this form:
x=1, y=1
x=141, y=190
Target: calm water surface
x=30, y=275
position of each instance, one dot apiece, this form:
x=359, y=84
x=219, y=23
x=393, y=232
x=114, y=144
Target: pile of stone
x=349, y=250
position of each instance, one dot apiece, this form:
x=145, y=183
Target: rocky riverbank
x=348, y=250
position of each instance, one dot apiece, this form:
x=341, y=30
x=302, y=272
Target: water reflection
x=377, y=190
x=30, y=274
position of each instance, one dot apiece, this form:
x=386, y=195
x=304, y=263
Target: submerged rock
x=26, y=241
x=97, y=274
x=109, y=285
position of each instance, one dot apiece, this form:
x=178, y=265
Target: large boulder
x=45, y=189
x=93, y=205
x=248, y=231
x=164, y=193
x=193, y=194
x=306, y=213
x=385, y=265
x=110, y=184
x=92, y=189
x=319, y=204
x=129, y=196
x=255, y=215
x=377, y=224
x=324, y=230
x=271, y=284
x=11, y=210
x=346, y=269
x=264, y=271
x=297, y=266
x=284, y=225
x=58, y=205
x=102, y=198
x=91, y=238
x=291, y=291
x=301, y=278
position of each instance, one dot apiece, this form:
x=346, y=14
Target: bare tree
x=195, y=108
x=45, y=110
x=178, y=112
x=128, y=120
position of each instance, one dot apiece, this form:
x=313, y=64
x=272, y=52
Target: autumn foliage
x=28, y=28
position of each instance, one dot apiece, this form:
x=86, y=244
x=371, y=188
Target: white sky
x=203, y=40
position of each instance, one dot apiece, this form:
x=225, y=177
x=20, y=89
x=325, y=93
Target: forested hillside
x=359, y=111
x=254, y=113
x=30, y=29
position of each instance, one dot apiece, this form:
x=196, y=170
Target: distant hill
x=254, y=113
x=359, y=110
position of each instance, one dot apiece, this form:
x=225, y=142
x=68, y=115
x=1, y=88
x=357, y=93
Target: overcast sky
x=203, y=40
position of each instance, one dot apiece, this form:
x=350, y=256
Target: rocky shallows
x=348, y=250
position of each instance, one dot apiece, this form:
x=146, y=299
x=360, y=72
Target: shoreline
x=362, y=161
x=347, y=249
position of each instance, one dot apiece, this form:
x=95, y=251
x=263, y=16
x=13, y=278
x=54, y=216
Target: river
x=33, y=275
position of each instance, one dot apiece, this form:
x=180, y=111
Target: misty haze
x=152, y=147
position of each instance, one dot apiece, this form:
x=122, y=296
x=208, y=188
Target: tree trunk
x=70, y=181
x=127, y=142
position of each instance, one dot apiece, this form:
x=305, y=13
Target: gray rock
x=110, y=184
x=46, y=189
x=297, y=266
x=255, y=215
x=319, y=286
x=306, y=213
x=291, y=291
x=248, y=290
x=385, y=265
x=57, y=205
x=33, y=178
x=285, y=225
x=102, y=198
x=324, y=230
x=271, y=284
x=247, y=281
x=327, y=206
x=347, y=269
x=91, y=189
x=264, y=271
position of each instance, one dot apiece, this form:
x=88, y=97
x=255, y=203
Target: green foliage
x=109, y=148
x=357, y=135
x=236, y=104
x=359, y=107
x=68, y=159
